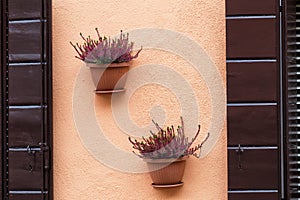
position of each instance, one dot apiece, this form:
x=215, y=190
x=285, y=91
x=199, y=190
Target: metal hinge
x=281, y=3
x=43, y=146
x=280, y=8
x=239, y=152
x=45, y=149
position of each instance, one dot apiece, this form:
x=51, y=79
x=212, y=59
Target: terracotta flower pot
x=109, y=78
x=166, y=171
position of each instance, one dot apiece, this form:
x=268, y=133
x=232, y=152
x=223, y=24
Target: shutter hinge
x=239, y=152
x=43, y=146
x=281, y=8
x=45, y=149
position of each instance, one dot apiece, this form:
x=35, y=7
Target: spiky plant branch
x=167, y=143
x=103, y=50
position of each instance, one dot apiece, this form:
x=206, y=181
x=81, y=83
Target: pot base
x=167, y=185
x=109, y=91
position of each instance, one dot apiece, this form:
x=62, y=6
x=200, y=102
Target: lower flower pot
x=166, y=172
x=109, y=78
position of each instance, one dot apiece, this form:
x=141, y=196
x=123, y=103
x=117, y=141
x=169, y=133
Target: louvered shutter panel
x=1, y=106
x=254, y=99
x=292, y=31
x=26, y=80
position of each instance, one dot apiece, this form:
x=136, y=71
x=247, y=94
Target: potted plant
x=112, y=56
x=165, y=153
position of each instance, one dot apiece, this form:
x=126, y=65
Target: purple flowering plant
x=105, y=50
x=167, y=143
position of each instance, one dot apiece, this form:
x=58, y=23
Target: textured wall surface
x=77, y=174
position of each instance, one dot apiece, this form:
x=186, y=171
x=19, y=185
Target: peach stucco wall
x=77, y=174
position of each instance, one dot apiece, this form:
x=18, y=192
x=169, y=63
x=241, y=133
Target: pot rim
x=106, y=65
x=165, y=160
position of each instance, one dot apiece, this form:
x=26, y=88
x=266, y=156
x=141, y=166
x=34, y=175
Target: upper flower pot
x=108, y=59
x=109, y=78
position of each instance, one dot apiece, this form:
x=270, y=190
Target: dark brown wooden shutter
x=26, y=100
x=2, y=130
x=292, y=74
x=254, y=79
